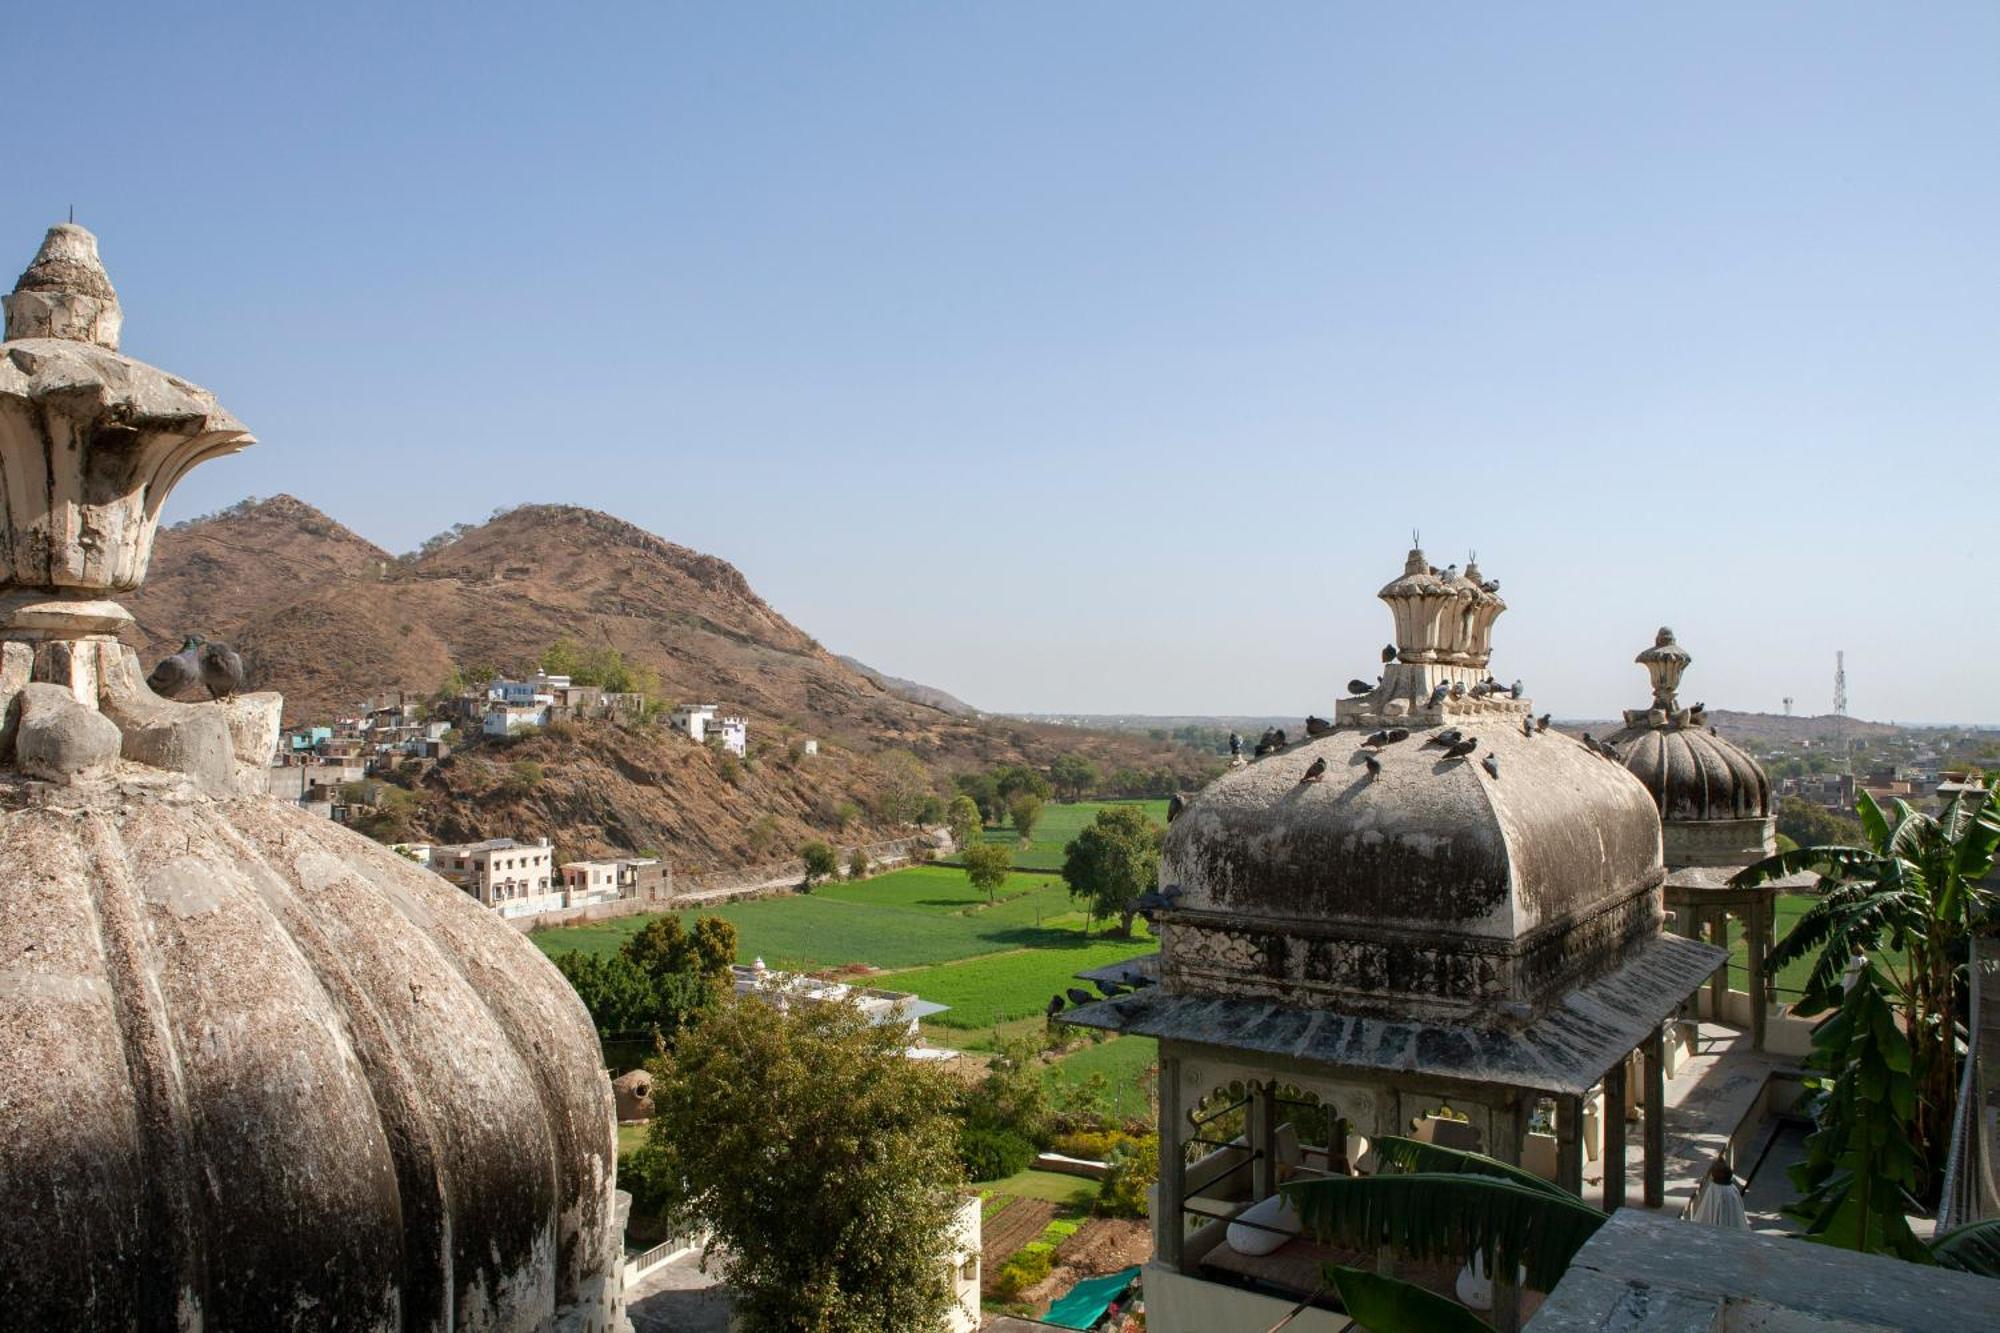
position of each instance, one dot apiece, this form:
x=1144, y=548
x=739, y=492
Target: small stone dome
x=1713, y=797
x=1433, y=885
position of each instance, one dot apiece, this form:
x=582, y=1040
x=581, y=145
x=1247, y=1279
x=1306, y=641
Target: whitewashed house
x=704, y=723
x=513, y=878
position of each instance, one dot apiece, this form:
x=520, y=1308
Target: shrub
x=1023, y=1271
x=993, y=1154
x=730, y=767
x=1092, y=1145
x=763, y=835
x=821, y=861
x=857, y=863
x=1134, y=1167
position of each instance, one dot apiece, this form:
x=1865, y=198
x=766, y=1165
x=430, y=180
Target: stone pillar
x=1757, y=925
x=1569, y=1144
x=1718, y=984
x=1656, y=1120
x=1614, y=1137
x=1168, y=1223
x=1261, y=1126
x=1504, y=1129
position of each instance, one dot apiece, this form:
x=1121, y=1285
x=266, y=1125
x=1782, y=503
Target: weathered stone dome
x=256, y=1071
x=261, y=1072
x=1713, y=797
x=1432, y=885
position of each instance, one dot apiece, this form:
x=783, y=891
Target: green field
x=1058, y=824
x=909, y=918
x=1000, y=987
x=1792, y=978
x=1072, y=1191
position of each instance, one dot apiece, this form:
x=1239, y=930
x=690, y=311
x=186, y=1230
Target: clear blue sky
x=1102, y=356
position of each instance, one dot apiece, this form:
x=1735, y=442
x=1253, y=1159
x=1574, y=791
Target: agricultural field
x=1057, y=825
x=1000, y=987
x=1792, y=978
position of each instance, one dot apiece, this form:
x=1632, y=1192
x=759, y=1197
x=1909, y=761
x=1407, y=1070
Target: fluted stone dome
x=256, y=1071
x=1714, y=799
x=1433, y=885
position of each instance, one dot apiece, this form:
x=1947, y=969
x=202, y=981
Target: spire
x=65, y=293
x=1664, y=662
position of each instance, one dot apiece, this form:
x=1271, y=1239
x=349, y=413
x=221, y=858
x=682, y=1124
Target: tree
x=821, y=862
x=904, y=784
x=1134, y=1169
x=1074, y=775
x=659, y=982
x=1024, y=813
x=986, y=865
x=666, y=948
x=984, y=792
x=1914, y=886
x=962, y=817
x=1013, y=1096
x=837, y=1218
x=1810, y=825
x=1011, y=781
x=1114, y=860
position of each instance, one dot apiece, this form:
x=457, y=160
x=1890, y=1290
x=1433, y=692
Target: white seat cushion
x=1274, y=1213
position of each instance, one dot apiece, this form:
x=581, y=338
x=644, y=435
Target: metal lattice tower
x=1840, y=684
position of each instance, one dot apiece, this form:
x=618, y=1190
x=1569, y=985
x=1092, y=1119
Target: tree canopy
x=1074, y=776
x=1024, y=813
x=1112, y=861
x=822, y=862
x=658, y=981
x=962, y=817
x=822, y=1161
x=986, y=865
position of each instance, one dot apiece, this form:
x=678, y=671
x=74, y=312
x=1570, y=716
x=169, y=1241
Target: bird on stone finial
x=1514, y=690
x=1373, y=765
x=1491, y=585
x=1542, y=723
x=221, y=670
x=176, y=673
x=1491, y=763
x=1438, y=694
x=1317, y=726
x=1463, y=748
x=1358, y=686
x=1315, y=771
x=1458, y=689
x=1388, y=653
x=1449, y=736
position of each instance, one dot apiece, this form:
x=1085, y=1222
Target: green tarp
x=1084, y=1304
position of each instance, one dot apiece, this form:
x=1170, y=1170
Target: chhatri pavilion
x=1466, y=944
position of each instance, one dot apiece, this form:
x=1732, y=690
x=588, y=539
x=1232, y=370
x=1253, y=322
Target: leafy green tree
x=1912, y=885
x=962, y=817
x=1809, y=825
x=1013, y=1095
x=904, y=782
x=987, y=865
x=666, y=948
x=836, y=1219
x=1012, y=781
x=983, y=790
x=1073, y=775
x=620, y=996
x=1024, y=814
x=1112, y=861
x=1135, y=1167
x=822, y=862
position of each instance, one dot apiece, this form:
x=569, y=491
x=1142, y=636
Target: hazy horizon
x=1102, y=360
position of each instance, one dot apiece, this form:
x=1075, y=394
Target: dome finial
x=65, y=293
x=1664, y=662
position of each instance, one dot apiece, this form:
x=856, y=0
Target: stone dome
x=1713, y=797
x=1433, y=885
x=256, y=1071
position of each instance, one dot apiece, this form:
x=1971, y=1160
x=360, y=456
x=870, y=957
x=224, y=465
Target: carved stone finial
x=65, y=293
x=1664, y=662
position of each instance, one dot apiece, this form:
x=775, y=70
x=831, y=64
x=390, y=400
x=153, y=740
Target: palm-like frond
x=1390, y=1305
x=1974, y=1248
x=1449, y=1215
x=1408, y=1155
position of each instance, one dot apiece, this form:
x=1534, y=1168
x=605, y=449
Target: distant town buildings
x=704, y=724
x=513, y=878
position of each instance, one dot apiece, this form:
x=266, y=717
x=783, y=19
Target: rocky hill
x=328, y=619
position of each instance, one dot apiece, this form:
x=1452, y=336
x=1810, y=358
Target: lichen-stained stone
x=257, y=1072
x=58, y=738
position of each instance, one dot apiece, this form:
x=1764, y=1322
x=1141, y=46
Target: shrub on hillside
x=1134, y=1167
x=1092, y=1145
x=857, y=863
x=821, y=862
x=1023, y=1271
x=730, y=767
x=993, y=1154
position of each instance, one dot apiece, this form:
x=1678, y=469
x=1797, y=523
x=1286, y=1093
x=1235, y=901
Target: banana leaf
x=1973, y=1248
x=1389, y=1305
x=1449, y=1216
x=1405, y=1155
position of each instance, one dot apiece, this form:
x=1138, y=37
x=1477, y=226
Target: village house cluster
x=521, y=879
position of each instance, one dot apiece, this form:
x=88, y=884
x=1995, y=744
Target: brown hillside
x=328, y=619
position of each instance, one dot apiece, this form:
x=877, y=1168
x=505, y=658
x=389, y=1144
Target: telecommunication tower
x=1840, y=684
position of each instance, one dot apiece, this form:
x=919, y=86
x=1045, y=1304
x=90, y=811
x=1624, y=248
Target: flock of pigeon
x=215, y=666
x=1078, y=996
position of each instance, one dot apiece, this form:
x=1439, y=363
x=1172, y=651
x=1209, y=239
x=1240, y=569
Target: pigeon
x=1373, y=765
x=1078, y=995
x=1359, y=687
x=1699, y=708
x=1527, y=729
x=1491, y=585
x=1438, y=694
x=1388, y=653
x=1315, y=771
x=1449, y=736
x=1055, y=1006
x=1463, y=748
x=1317, y=726
x=1514, y=690
x=1590, y=743
x=1176, y=805
x=1491, y=763
x=1398, y=734
x=1480, y=691
x=1111, y=989
x=1278, y=739
x=1610, y=751
x=1376, y=740
x=1458, y=689
x=1172, y=893
x=1542, y=723
x=176, y=673
x=1450, y=572
x=221, y=670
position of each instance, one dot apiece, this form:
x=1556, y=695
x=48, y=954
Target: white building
x=521, y=693
x=704, y=723
x=513, y=719
x=586, y=882
x=883, y=1008
x=513, y=878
